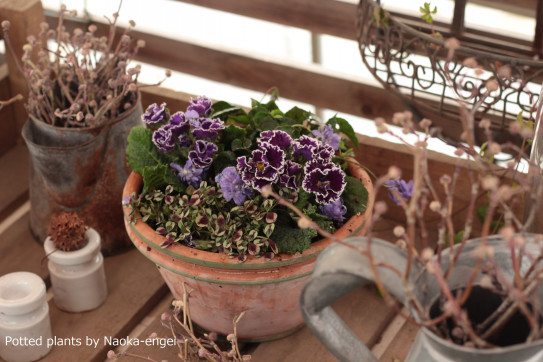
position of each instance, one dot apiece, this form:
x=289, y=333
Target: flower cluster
x=194, y=167
x=191, y=131
x=306, y=162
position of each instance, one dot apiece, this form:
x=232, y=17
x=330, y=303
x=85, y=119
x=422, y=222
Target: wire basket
x=410, y=62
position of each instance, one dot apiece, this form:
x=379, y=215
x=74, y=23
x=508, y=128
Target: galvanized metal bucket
x=80, y=170
x=339, y=270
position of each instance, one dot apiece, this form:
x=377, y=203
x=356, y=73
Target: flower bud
x=380, y=207
x=398, y=231
x=435, y=206
x=394, y=172
x=111, y=354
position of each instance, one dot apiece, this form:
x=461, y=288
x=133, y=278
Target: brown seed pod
x=67, y=230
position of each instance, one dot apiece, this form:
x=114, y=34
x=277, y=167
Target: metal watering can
x=340, y=270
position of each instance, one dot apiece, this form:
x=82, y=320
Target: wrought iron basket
x=406, y=58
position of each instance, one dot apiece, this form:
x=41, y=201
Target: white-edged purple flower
x=325, y=181
x=188, y=173
x=208, y=128
x=276, y=138
x=405, y=189
x=323, y=153
x=304, y=147
x=289, y=178
x=326, y=135
x=164, y=139
x=178, y=123
x=334, y=211
x=232, y=186
x=263, y=167
x=202, y=154
x=199, y=107
x=155, y=114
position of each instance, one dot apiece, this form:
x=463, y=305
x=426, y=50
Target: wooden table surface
x=138, y=297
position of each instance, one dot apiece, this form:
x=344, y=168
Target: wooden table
x=138, y=297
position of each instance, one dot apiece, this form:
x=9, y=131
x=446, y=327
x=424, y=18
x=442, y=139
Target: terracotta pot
x=222, y=288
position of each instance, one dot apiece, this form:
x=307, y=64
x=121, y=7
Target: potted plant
x=82, y=101
x=475, y=299
x=76, y=265
x=194, y=206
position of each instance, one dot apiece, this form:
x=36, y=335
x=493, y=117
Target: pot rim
x=79, y=256
x=356, y=225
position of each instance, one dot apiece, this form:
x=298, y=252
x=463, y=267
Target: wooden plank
x=25, y=17
x=175, y=100
x=14, y=179
x=19, y=251
x=362, y=310
x=400, y=345
x=134, y=288
x=330, y=17
x=9, y=131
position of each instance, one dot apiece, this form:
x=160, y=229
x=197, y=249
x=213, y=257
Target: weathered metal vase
x=80, y=170
x=339, y=270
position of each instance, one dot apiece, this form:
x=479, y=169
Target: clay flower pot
x=222, y=288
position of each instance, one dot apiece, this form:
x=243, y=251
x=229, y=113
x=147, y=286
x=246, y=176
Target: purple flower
x=202, y=155
x=208, y=128
x=276, y=138
x=334, y=211
x=232, y=186
x=188, y=173
x=327, y=136
x=199, y=107
x=324, y=153
x=288, y=178
x=264, y=167
x=325, y=181
x=164, y=139
x=178, y=124
x=405, y=189
x=304, y=146
x=155, y=114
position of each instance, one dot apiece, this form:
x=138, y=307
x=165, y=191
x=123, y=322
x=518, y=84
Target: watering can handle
x=339, y=270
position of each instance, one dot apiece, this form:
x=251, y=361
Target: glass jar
x=77, y=277
x=25, y=327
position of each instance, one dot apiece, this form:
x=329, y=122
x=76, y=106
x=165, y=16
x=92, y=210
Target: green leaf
x=241, y=144
x=141, y=150
x=298, y=114
x=264, y=121
x=231, y=133
x=345, y=128
x=355, y=196
x=223, y=160
x=292, y=240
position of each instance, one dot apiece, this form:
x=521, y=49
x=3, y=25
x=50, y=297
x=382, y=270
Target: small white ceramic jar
x=25, y=326
x=77, y=277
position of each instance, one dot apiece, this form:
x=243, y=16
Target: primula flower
x=178, y=123
x=155, y=114
x=208, y=128
x=202, y=155
x=232, y=186
x=405, y=189
x=304, y=146
x=334, y=211
x=164, y=139
x=289, y=178
x=188, y=173
x=276, y=138
x=199, y=107
x=327, y=136
x=264, y=167
x=325, y=181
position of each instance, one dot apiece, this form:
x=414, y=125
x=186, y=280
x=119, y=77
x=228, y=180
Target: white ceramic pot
x=24, y=318
x=77, y=277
